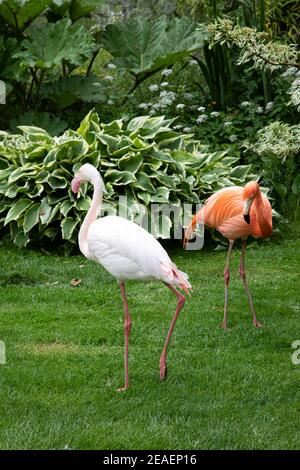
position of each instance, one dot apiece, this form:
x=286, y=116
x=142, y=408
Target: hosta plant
x=145, y=161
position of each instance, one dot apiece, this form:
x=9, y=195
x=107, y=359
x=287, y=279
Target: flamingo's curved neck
x=264, y=225
x=90, y=217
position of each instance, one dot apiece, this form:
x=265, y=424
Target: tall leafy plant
x=217, y=71
x=41, y=44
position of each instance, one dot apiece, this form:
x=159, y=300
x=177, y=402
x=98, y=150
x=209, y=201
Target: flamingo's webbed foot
x=257, y=324
x=163, y=369
x=122, y=389
x=224, y=325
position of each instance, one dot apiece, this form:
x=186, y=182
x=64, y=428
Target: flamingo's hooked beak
x=247, y=207
x=75, y=185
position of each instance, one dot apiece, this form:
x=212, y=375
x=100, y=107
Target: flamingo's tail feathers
x=191, y=228
x=182, y=280
x=176, y=277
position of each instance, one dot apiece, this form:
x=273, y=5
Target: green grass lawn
x=64, y=345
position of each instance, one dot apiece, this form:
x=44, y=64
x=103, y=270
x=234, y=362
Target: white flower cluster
x=167, y=98
x=290, y=71
x=227, y=123
x=166, y=72
x=278, y=139
x=214, y=114
x=255, y=46
x=144, y=105
x=270, y=105
x=245, y=104
x=188, y=96
x=153, y=87
x=201, y=118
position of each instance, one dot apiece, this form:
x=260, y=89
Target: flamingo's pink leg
x=242, y=272
x=163, y=357
x=226, y=280
x=127, y=328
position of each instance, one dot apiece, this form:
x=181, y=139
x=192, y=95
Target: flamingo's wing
x=219, y=209
x=125, y=249
x=223, y=205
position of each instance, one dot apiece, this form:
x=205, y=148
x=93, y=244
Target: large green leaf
x=83, y=204
x=144, y=46
x=45, y=211
x=296, y=185
x=58, y=180
x=54, y=43
x=69, y=90
x=22, y=172
x=144, y=182
x=281, y=189
x=52, y=124
x=21, y=239
x=162, y=195
x=136, y=123
x=108, y=140
x=65, y=207
x=167, y=180
x=31, y=217
x=19, y=13
x=240, y=172
x=36, y=134
x=162, y=156
x=120, y=177
x=89, y=126
x=144, y=196
x=17, y=209
x=68, y=226
x=130, y=162
x=80, y=8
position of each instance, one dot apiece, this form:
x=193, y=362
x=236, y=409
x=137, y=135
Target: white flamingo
x=126, y=251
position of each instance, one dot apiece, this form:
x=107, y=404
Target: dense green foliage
x=227, y=70
x=145, y=160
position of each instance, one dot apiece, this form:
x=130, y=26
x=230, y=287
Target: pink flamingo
x=126, y=251
x=236, y=212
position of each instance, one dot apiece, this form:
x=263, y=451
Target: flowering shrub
x=255, y=46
